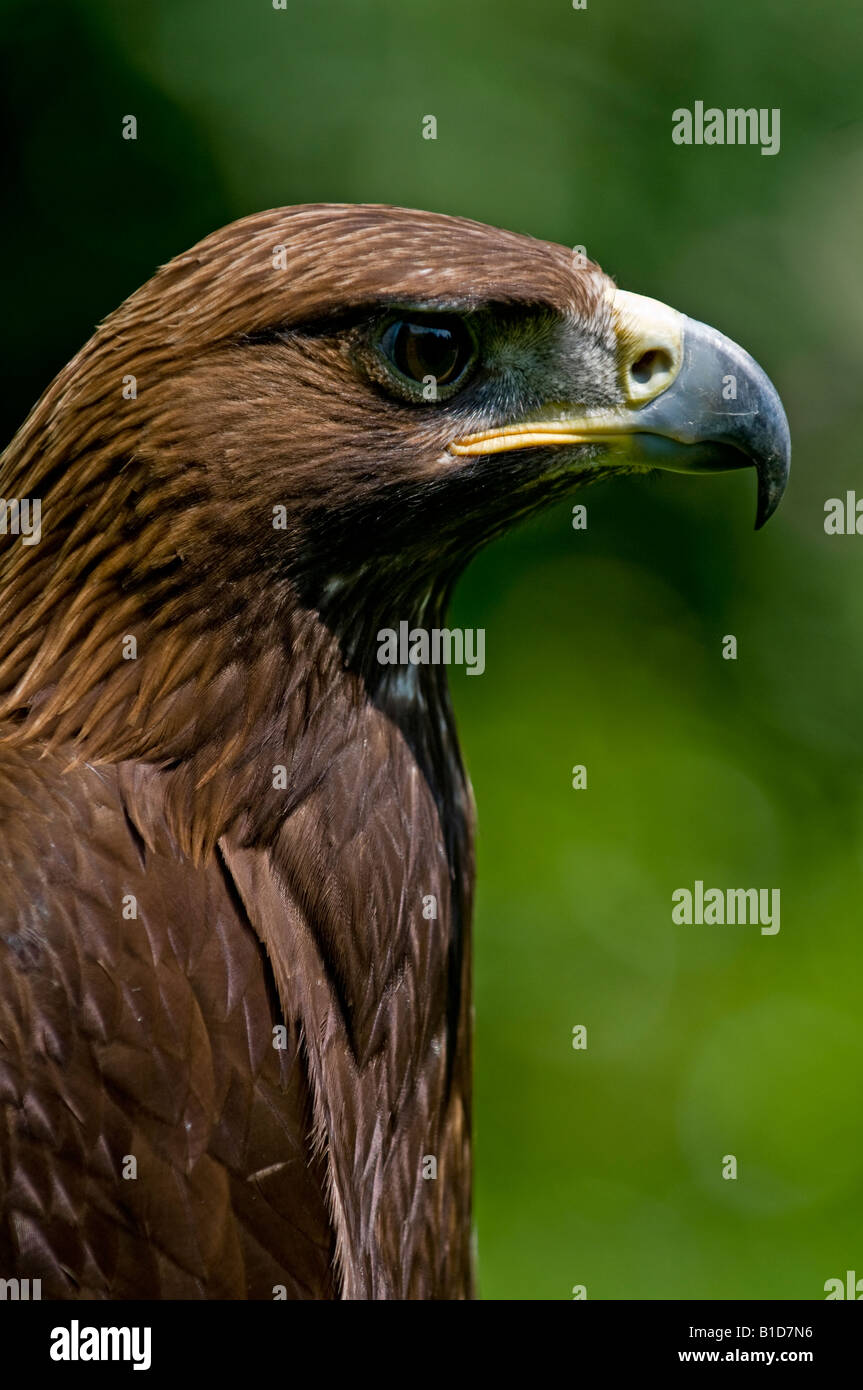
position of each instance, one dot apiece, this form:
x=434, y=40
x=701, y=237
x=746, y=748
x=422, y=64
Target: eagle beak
x=693, y=401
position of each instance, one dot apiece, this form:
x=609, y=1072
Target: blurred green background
x=599, y=1167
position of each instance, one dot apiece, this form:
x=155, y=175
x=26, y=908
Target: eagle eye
x=429, y=355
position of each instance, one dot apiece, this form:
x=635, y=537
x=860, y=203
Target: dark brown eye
x=436, y=346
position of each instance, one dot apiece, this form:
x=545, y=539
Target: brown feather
x=257, y=907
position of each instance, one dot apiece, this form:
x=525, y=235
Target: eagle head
x=325, y=410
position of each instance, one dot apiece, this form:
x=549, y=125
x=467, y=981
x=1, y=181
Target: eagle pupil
x=428, y=349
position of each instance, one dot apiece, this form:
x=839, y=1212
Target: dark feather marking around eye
x=355, y=316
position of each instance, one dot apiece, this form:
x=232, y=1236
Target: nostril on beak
x=647, y=371
x=656, y=362
x=649, y=346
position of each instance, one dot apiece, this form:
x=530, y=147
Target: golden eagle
x=235, y=898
